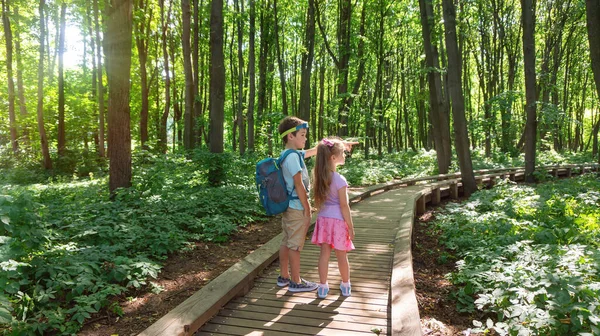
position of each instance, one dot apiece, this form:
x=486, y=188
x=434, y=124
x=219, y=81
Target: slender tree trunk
x=20, y=88
x=307, y=60
x=217, y=86
x=101, y=108
x=240, y=54
x=252, y=76
x=142, y=33
x=61, y=83
x=593, y=29
x=165, y=114
x=439, y=117
x=47, y=162
x=458, y=102
x=197, y=129
x=265, y=40
x=528, y=20
x=280, y=64
x=118, y=41
x=9, y=74
x=188, y=134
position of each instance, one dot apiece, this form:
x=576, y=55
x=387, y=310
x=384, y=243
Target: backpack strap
x=280, y=162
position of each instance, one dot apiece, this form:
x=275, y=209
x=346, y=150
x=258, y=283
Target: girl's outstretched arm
x=313, y=151
x=345, y=207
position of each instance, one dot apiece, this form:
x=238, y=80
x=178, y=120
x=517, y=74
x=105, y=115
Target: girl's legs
x=343, y=265
x=324, y=262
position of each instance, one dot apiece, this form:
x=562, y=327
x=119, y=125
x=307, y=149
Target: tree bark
x=141, y=40
x=20, y=89
x=9, y=74
x=165, y=114
x=439, y=117
x=284, y=102
x=100, y=96
x=47, y=162
x=118, y=44
x=188, y=116
x=217, y=87
x=528, y=19
x=240, y=54
x=61, y=82
x=593, y=29
x=461, y=135
x=251, y=75
x=307, y=60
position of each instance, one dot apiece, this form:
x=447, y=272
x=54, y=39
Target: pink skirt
x=334, y=232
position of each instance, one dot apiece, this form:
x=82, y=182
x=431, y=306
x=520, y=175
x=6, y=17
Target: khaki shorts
x=294, y=228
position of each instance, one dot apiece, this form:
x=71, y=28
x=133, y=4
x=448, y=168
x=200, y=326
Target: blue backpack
x=272, y=191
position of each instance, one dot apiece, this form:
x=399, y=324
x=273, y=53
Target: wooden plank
x=325, y=317
x=346, y=308
x=200, y=307
x=340, y=315
x=405, y=318
x=371, y=302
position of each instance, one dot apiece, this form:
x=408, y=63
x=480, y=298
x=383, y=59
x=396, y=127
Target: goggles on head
x=294, y=129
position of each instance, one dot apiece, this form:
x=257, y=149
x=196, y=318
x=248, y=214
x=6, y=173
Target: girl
x=334, y=228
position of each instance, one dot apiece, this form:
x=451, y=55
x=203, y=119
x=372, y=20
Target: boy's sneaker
x=302, y=286
x=346, y=290
x=322, y=291
x=282, y=282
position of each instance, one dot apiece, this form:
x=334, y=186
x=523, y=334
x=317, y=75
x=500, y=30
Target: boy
x=296, y=219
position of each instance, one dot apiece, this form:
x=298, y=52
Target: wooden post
x=454, y=190
x=569, y=172
x=421, y=205
x=492, y=181
x=436, y=196
x=511, y=176
x=555, y=172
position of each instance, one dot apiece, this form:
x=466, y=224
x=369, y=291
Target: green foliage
x=66, y=250
x=529, y=256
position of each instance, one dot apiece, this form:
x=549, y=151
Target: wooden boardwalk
x=269, y=310
x=244, y=300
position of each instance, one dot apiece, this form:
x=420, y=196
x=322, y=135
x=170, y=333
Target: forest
x=121, y=113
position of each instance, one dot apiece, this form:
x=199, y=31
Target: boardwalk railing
x=190, y=315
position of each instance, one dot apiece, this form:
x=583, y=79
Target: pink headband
x=328, y=142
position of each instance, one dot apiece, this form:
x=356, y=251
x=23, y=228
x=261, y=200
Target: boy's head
x=292, y=128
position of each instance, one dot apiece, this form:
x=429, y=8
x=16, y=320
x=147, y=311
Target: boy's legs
x=284, y=262
x=289, y=259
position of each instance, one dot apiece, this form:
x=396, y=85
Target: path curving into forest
x=245, y=300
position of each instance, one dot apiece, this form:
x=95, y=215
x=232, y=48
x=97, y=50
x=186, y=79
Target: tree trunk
x=118, y=46
x=197, y=129
x=458, y=102
x=101, y=108
x=265, y=40
x=188, y=116
x=252, y=77
x=47, y=162
x=61, y=82
x=528, y=20
x=439, y=117
x=307, y=60
x=240, y=106
x=217, y=87
x=165, y=114
x=141, y=36
x=593, y=29
x=20, y=88
x=9, y=74
x=284, y=102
